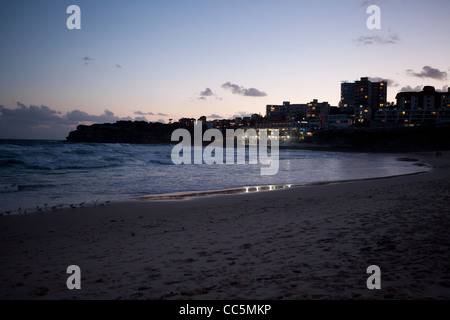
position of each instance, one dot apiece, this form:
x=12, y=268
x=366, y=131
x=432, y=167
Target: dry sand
x=312, y=242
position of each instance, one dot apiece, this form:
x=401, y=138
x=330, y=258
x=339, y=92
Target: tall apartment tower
x=363, y=98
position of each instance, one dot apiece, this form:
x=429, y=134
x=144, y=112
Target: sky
x=157, y=60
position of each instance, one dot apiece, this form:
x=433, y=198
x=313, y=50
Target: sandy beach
x=313, y=242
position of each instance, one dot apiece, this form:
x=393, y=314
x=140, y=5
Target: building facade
x=285, y=112
x=427, y=99
x=340, y=120
x=317, y=111
x=363, y=98
x=416, y=108
x=187, y=122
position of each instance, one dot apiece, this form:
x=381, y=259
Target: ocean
x=41, y=175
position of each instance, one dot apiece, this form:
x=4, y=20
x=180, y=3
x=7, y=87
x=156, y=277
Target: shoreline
x=44, y=207
x=313, y=242
x=186, y=195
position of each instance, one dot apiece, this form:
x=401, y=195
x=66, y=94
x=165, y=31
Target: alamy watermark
x=374, y=21
x=74, y=21
x=374, y=281
x=236, y=142
x=74, y=281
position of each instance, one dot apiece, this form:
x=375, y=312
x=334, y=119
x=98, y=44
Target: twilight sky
x=167, y=59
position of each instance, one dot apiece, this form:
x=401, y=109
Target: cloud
x=33, y=122
x=161, y=121
x=118, y=66
x=236, y=89
x=428, y=72
x=242, y=114
x=81, y=116
x=410, y=89
x=207, y=93
x=41, y=122
x=86, y=60
x=32, y=114
x=365, y=4
x=368, y=40
x=444, y=89
x=214, y=116
x=140, y=113
x=391, y=83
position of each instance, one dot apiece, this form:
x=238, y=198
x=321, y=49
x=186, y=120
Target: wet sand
x=310, y=242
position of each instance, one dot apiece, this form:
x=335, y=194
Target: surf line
x=257, y=142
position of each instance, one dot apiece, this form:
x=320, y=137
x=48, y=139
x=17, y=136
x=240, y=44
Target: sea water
x=46, y=174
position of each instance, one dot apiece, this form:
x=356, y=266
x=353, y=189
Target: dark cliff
x=138, y=132
x=351, y=139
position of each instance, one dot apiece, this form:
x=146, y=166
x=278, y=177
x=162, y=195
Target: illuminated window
x=382, y=84
x=345, y=105
x=365, y=97
x=381, y=104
